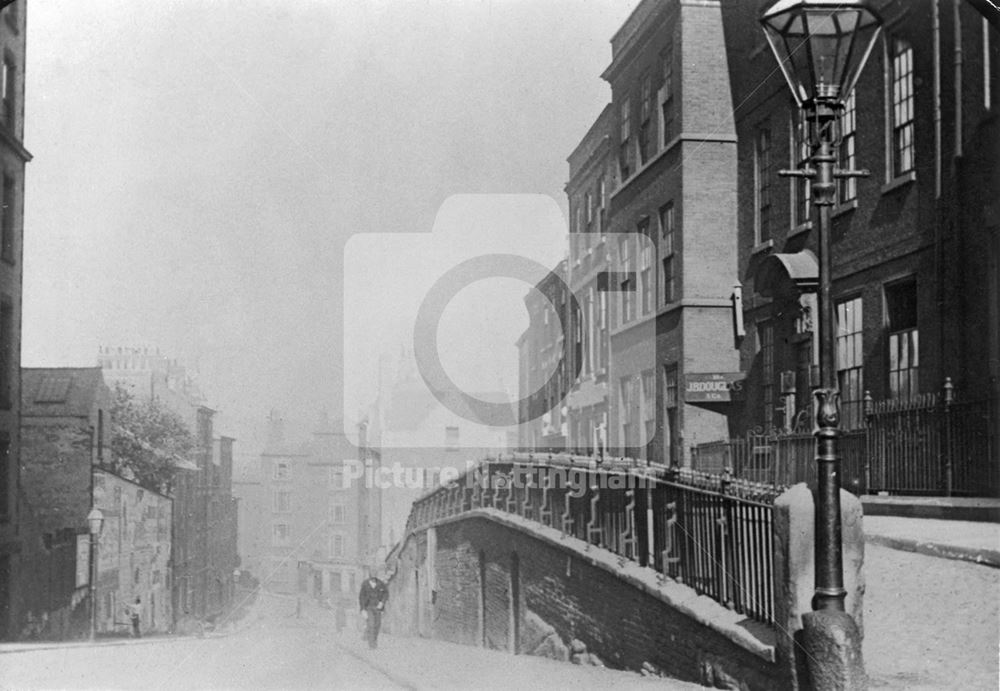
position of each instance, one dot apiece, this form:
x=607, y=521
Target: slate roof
x=59, y=391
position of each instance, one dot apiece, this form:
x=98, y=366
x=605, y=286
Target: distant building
x=205, y=512
x=416, y=437
x=13, y=157
x=318, y=515
x=252, y=539
x=149, y=374
x=204, y=528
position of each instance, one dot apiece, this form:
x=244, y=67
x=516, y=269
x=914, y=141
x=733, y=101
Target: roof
x=59, y=391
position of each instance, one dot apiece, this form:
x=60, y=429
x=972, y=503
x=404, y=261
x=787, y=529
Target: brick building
x=591, y=170
x=652, y=196
x=13, y=157
x=915, y=246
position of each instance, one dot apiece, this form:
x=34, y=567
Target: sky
x=203, y=172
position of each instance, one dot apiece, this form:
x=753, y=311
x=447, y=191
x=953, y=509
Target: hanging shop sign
x=713, y=387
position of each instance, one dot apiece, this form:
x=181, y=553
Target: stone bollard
x=831, y=658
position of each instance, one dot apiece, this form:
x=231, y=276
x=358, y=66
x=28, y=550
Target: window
x=649, y=406
x=338, y=513
x=646, y=271
x=629, y=410
x=6, y=486
x=280, y=470
x=765, y=335
x=647, y=139
x=280, y=534
x=451, y=438
x=987, y=68
x=589, y=328
x=100, y=435
x=600, y=205
x=7, y=220
x=602, y=350
x=6, y=351
x=901, y=111
x=668, y=274
x=282, y=501
x=626, y=283
x=847, y=188
x=625, y=144
x=7, y=89
x=801, y=190
x=904, y=342
x=762, y=185
x=336, y=546
x=337, y=478
x=670, y=431
x=667, y=94
x=850, y=362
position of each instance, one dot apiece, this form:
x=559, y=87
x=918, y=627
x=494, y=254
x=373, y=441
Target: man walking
x=372, y=598
x=135, y=615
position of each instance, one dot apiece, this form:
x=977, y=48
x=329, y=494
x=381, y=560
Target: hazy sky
x=199, y=166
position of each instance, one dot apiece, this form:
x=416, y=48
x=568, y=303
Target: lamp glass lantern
x=96, y=521
x=821, y=46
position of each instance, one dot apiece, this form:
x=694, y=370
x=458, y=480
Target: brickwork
x=556, y=587
x=919, y=225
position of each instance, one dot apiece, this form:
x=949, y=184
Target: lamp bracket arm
x=861, y=173
x=799, y=173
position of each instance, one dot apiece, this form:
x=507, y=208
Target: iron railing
x=929, y=444
x=713, y=533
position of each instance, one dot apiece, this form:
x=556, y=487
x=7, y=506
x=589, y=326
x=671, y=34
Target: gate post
x=869, y=410
x=949, y=395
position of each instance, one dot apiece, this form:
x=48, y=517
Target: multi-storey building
x=544, y=365
x=915, y=246
x=672, y=210
x=13, y=157
x=591, y=170
x=322, y=518
x=205, y=512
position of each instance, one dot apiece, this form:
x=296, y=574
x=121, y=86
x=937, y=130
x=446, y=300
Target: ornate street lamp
x=95, y=520
x=821, y=47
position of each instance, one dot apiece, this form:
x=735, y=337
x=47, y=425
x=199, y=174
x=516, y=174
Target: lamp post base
x=832, y=645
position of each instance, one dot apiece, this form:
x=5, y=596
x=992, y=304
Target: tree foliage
x=147, y=440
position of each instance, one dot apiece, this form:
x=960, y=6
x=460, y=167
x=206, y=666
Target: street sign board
x=713, y=387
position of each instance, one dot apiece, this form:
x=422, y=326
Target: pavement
x=276, y=649
x=944, y=508
x=973, y=541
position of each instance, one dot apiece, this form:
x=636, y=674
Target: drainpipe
x=939, y=213
x=937, y=99
x=958, y=77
